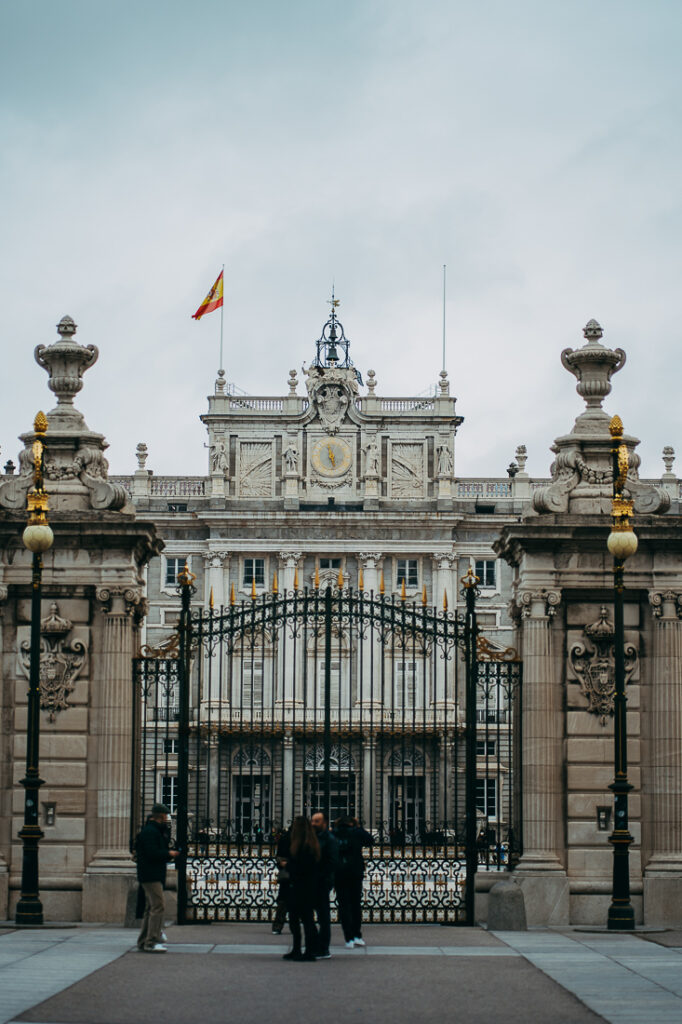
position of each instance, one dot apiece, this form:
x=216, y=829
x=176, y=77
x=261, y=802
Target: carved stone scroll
x=592, y=662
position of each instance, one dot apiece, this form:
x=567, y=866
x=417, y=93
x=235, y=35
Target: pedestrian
x=350, y=872
x=284, y=880
x=328, y=861
x=303, y=866
x=153, y=854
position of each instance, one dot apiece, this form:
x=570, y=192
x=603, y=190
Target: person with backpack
x=350, y=871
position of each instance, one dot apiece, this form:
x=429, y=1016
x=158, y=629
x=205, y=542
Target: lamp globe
x=38, y=537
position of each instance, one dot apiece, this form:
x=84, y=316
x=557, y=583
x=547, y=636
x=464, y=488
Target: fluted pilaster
x=542, y=735
x=665, y=735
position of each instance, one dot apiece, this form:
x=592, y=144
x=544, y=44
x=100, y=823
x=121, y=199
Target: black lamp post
x=38, y=538
x=622, y=543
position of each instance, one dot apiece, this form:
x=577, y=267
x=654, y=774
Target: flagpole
x=222, y=309
x=443, y=316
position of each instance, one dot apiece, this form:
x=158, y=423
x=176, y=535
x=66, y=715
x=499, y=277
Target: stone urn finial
x=593, y=365
x=66, y=361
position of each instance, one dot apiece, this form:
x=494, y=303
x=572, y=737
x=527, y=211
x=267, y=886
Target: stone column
x=541, y=871
x=288, y=561
x=288, y=777
x=443, y=564
x=4, y=869
x=215, y=576
x=369, y=751
x=663, y=873
x=111, y=874
x=371, y=644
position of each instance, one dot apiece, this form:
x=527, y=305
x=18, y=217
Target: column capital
x=122, y=600
x=370, y=559
x=444, y=560
x=290, y=559
x=215, y=559
x=538, y=604
x=666, y=604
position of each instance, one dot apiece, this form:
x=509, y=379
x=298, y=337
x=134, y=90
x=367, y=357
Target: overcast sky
x=533, y=147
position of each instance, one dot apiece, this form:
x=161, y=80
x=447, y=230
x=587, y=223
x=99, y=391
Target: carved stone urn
x=66, y=361
x=593, y=365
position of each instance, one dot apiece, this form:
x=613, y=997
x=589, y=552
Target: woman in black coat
x=303, y=866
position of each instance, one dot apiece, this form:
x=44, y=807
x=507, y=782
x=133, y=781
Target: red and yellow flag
x=213, y=300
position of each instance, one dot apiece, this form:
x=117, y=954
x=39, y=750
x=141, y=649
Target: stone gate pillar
x=663, y=872
x=109, y=873
x=541, y=870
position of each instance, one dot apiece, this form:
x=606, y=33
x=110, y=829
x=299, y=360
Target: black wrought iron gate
x=354, y=703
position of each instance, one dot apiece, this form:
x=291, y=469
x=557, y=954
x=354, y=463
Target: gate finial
x=382, y=588
x=361, y=580
x=317, y=578
x=445, y=600
x=253, y=588
x=424, y=595
x=210, y=599
x=339, y=579
x=296, y=578
x=403, y=592
x=274, y=583
x=233, y=599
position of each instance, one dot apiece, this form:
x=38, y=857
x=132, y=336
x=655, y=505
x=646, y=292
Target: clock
x=331, y=456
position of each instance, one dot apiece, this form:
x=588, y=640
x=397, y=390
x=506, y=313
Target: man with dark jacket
x=328, y=861
x=350, y=872
x=153, y=854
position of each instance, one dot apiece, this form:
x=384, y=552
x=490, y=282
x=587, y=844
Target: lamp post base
x=29, y=911
x=621, y=918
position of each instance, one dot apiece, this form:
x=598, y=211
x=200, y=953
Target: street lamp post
x=622, y=542
x=38, y=538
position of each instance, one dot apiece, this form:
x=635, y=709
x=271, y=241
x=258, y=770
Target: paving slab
x=251, y=989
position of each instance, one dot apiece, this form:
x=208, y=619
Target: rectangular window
x=334, y=683
x=173, y=567
x=169, y=792
x=406, y=691
x=486, y=797
x=252, y=805
x=330, y=563
x=170, y=746
x=407, y=571
x=252, y=683
x=486, y=570
x=485, y=748
x=254, y=572
x=406, y=808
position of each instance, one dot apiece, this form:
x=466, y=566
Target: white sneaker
x=158, y=948
x=164, y=937
x=350, y=944
x=358, y=942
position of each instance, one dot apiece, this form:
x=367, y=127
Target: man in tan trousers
x=153, y=854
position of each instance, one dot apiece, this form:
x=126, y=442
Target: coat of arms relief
x=331, y=392
x=62, y=659
x=591, y=662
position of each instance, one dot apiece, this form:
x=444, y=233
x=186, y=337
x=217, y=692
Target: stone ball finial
x=220, y=383
x=668, y=458
x=141, y=454
x=371, y=381
x=292, y=382
x=593, y=331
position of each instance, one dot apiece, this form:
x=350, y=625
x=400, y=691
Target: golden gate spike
x=274, y=583
x=296, y=578
x=339, y=579
x=382, y=588
x=403, y=592
x=233, y=599
x=445, y=600
x=253, y=589
x=317, y=578
x=424, y=595
x=210, y=599
x=361, y=580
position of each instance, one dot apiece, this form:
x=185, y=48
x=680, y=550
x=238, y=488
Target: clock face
x=331, y=456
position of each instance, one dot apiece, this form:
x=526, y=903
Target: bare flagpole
x=444, y=269
x=222, y=310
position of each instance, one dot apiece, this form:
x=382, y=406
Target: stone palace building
x=334, y=483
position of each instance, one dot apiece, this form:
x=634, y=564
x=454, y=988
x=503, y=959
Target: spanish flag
x=213, y=300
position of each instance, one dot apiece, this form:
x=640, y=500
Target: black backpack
x=345, y=865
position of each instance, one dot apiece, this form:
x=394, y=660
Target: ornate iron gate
x=339, y=700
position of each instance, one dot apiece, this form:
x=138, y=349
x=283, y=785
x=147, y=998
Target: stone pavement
x=417, y=973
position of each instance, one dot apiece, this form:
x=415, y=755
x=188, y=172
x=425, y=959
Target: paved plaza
x=419, y=973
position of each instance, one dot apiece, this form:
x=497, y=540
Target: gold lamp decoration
x=622, y=541
x=38, y=536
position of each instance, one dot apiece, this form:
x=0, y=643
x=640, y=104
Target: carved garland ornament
x=593, y=663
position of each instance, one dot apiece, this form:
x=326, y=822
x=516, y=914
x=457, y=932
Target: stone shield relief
x=591, y=663
x=63, y=658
